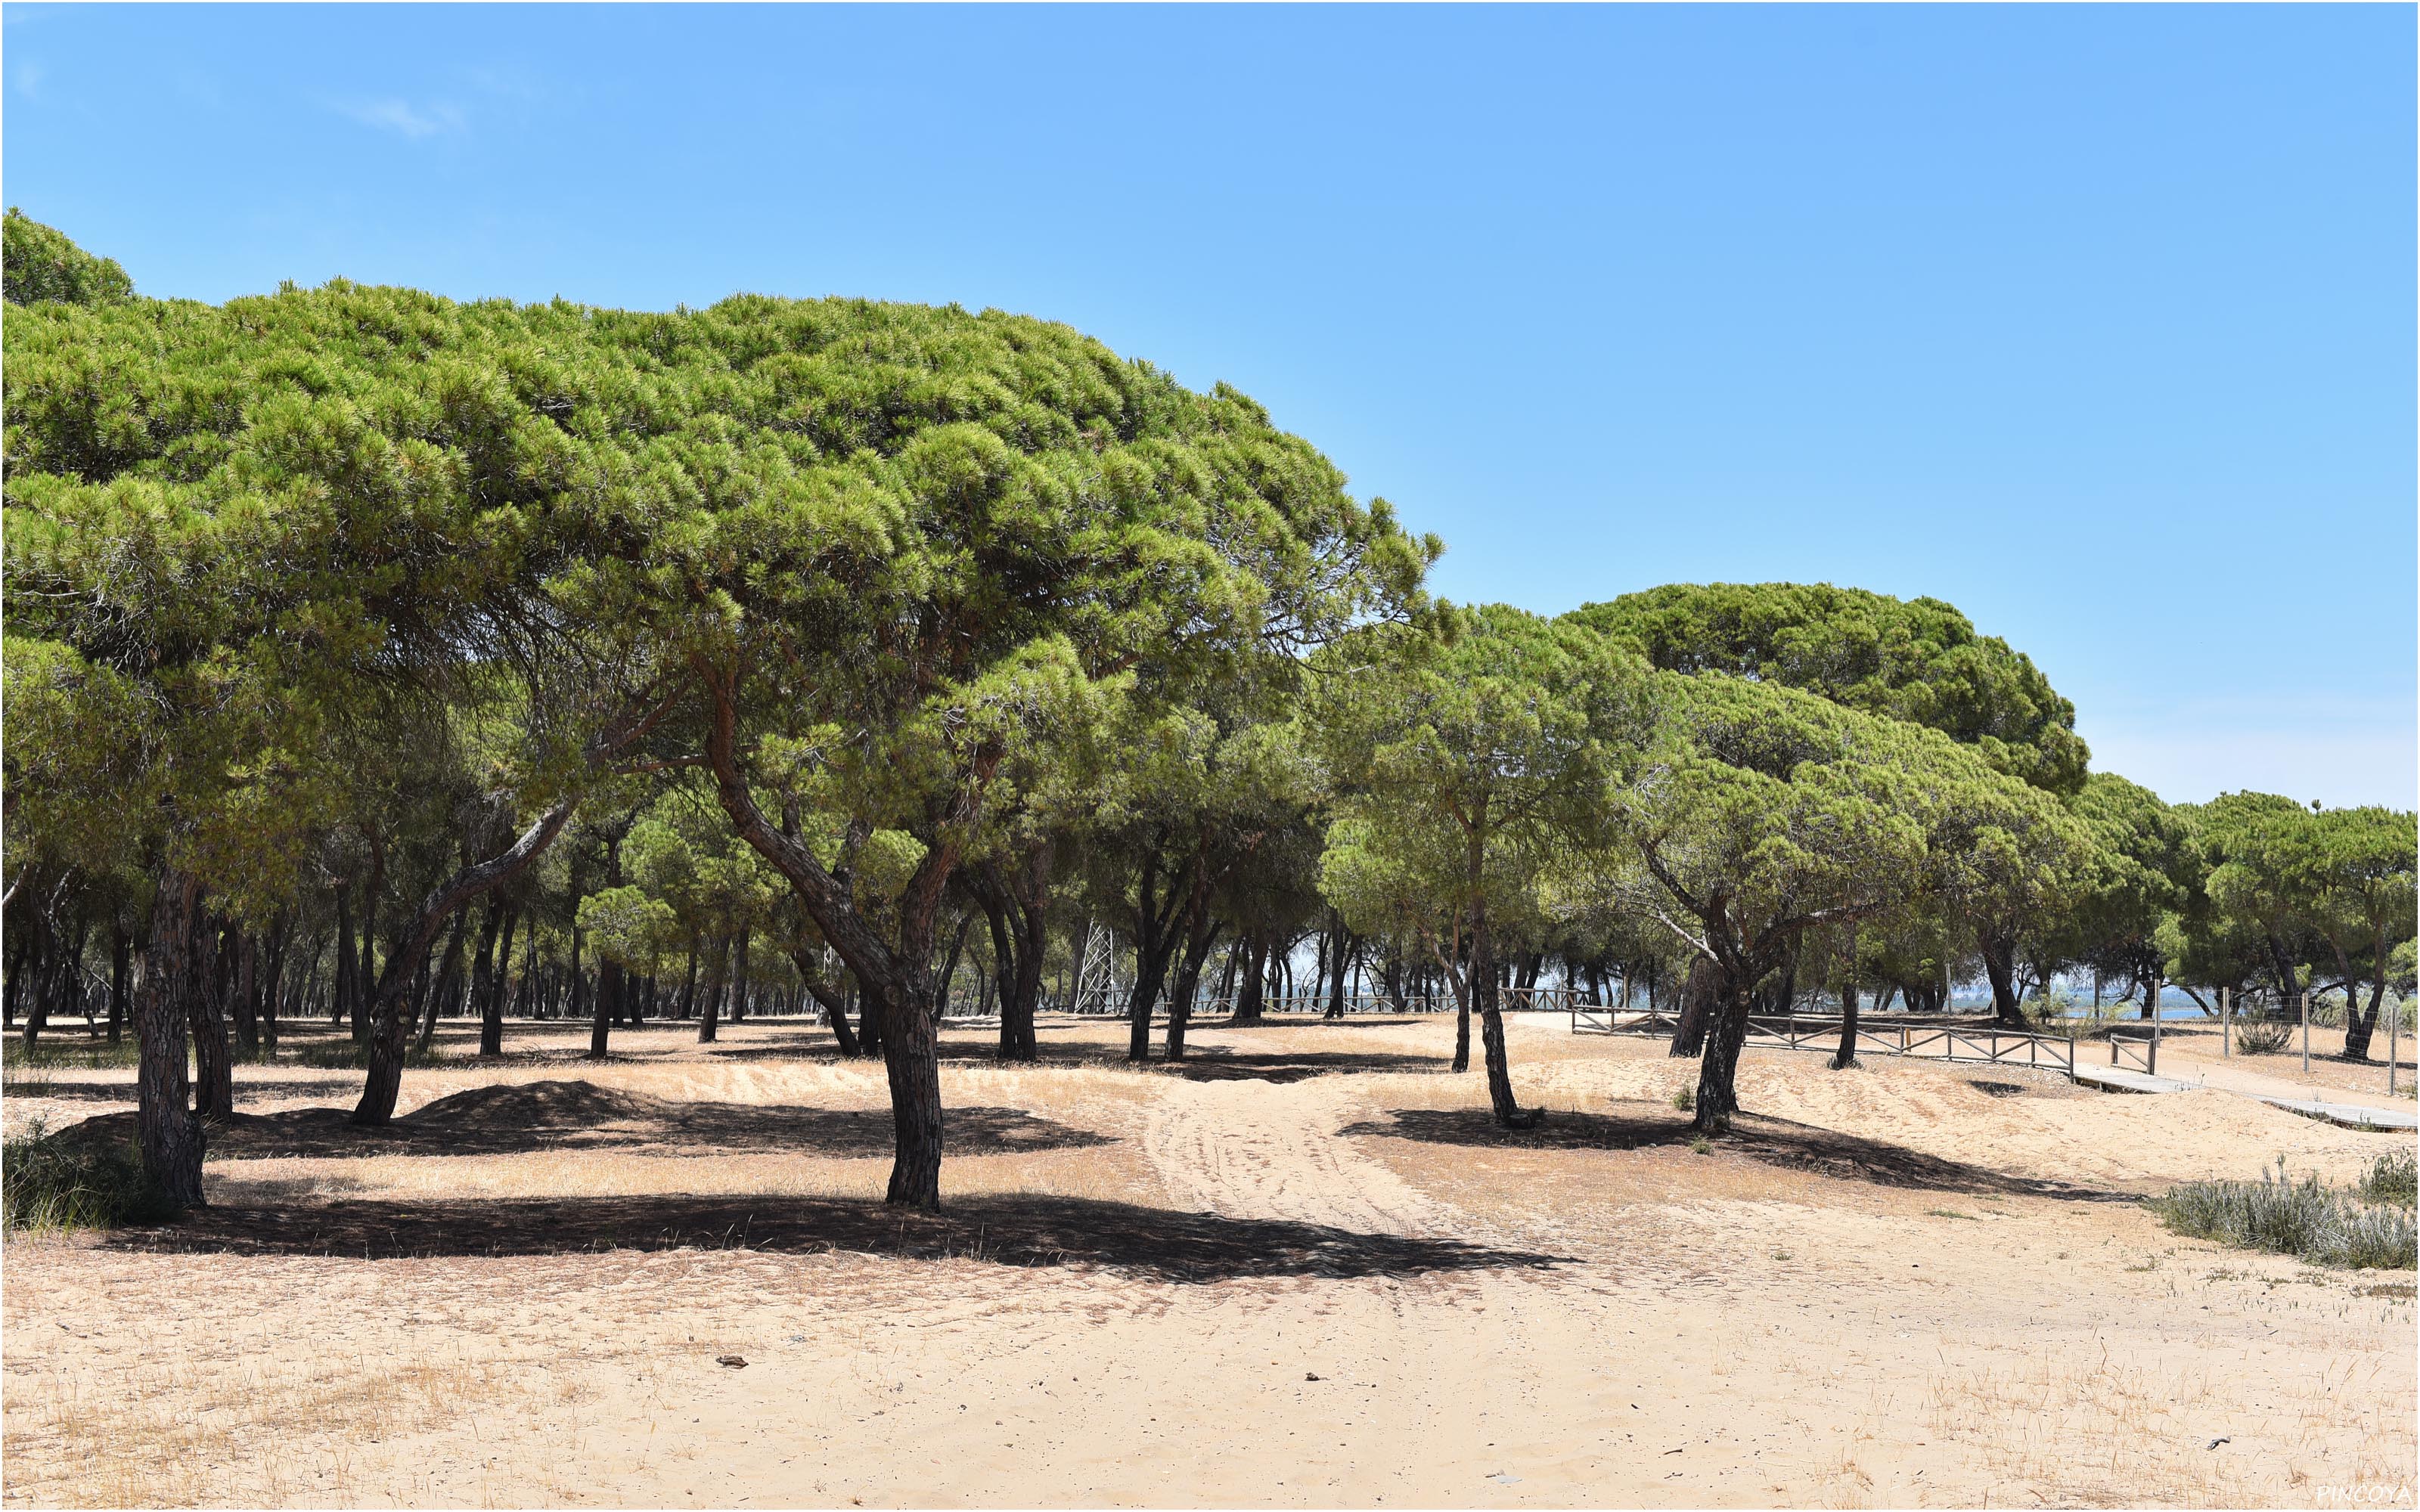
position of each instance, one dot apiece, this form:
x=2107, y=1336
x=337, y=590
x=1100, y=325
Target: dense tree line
x=379, y=657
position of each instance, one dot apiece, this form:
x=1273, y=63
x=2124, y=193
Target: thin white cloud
x=29, y=80
x=415, y=122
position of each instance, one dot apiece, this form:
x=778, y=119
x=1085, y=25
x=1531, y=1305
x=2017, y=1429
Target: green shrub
x=2394, y=1178
x=2259, y=1038
x=1685, y=1100
x=2302, y=1218
x=56, y=1181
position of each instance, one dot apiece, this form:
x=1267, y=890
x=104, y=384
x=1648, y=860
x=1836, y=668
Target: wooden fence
x=1508, y=999
x=1963, y=1043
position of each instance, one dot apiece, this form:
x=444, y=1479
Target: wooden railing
x=2138, y=1050
x=1970, y=1044
x=1508, y=999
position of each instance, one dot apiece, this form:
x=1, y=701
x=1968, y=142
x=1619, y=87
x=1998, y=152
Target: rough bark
x=1249, y=984
x=1846, y=1056
x=171, y=1139
x=1156, y=933
x=1188, y=980
x=605, y=1007
x=2361, y=1027
x=1999, y=952
x=121, y=962
x=342, y=993
x=1697, y=1009
x=1509, y=1113
x=709, y=1013
x=363, y=985
x=739, y=978
x=206, y=1014
x=1719, y=1068
x=491, y=991
x=246, y=996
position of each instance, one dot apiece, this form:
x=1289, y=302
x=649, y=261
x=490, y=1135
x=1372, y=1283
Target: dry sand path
x=1598, y=1315
x=1264, y=1150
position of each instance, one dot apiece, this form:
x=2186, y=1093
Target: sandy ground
x=1303, y=1271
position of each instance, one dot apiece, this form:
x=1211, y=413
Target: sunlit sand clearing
x=1303, y=1268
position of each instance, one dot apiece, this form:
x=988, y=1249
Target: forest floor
x=1301, y=1268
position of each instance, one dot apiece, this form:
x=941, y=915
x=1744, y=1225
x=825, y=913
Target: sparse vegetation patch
x=2303, y=1218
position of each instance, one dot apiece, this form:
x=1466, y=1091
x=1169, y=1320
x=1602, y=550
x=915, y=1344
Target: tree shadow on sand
x=1777, y=1142
x=1216, y=1062
x=514, y=1118
x=246, y=1091
x=1153, y=1243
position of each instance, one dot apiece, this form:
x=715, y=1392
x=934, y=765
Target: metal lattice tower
x=1096, y=979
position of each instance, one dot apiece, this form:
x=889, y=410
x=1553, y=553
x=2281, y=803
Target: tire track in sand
x=1271, y=1150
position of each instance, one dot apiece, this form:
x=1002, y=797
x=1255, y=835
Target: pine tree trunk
x=607, y=1000
x=1846, y=1056
x=38, y=1004
x=1188, y=980
x=366, y=971
x=1697, y=1007
x=832, y=999
x=345, y=967
x=740, y=979
x=1509, y=1113
x=206, y=1013
x=447, y=976
x=170, y=1136
x=121, y=962
x=492, y=996
x=912, y=1057
x=710, y=1014
x=2000, y=968
x=1346, y=945
x=1718, y=1071
x=1249, y=981
x=247, y=1003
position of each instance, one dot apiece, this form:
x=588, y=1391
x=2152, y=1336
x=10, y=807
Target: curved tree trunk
x=1846, y=1056
x=2000, y=967
x=1188, y=980
x=1718, y=1070
x=385, y=1077
x=448, y=974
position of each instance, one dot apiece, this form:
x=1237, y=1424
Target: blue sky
x=2098, y=322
